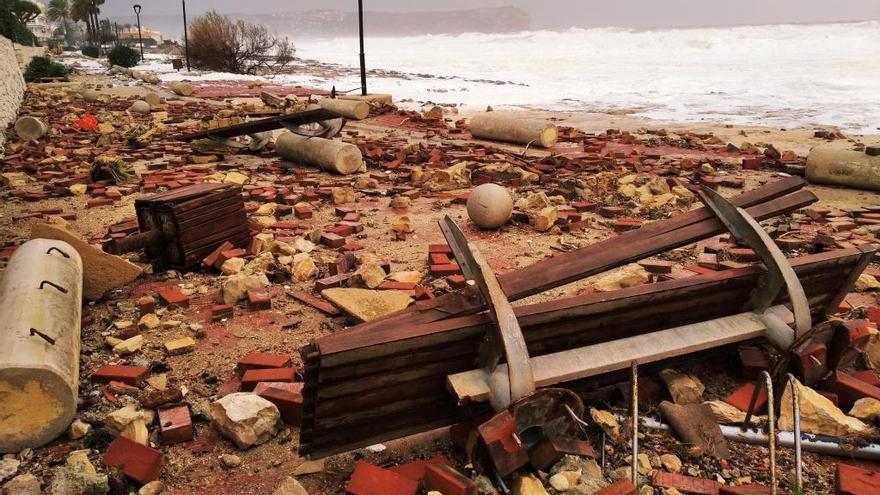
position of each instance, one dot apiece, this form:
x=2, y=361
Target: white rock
x=245, y=418
x=290, y=486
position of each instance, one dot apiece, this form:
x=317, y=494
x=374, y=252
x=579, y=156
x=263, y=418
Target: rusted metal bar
x=262, y=125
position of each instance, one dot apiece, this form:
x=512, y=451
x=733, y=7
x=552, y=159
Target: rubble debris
x=365, y=304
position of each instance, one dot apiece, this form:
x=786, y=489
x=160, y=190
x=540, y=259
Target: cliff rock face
x=11, y=87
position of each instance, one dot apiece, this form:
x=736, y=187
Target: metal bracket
x=747, y=230
x=507, y=339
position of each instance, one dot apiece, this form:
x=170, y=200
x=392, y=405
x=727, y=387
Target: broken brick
x=850, y=389
x=173, y=297
x=130, y=375
x=211, y=259
x=251, y=377
x=289, y=403
x=550, y=450
x=742, y=396
x=332, y=240
x=503, y=443
x=415, y=470
x=754, y=360
x=685, y=484
x=257, y=360
x=175, y=424
x=259, y=299
x=448, y=481
x=138, y=462
x=619, y=487
x=220, y=311
x=752, y=489
x=368, y=479
x=851, y=480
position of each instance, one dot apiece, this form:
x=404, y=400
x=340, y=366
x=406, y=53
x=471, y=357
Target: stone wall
x=24, y=54
x=11, y=88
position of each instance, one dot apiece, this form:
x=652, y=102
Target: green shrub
x=91, y=51
x=44, y=67
x=123, y=56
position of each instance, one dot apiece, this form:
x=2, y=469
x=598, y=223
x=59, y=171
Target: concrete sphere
x=490, y=206
x=90, y=95
x=140, y=106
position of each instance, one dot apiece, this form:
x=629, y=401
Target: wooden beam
x=597, y=359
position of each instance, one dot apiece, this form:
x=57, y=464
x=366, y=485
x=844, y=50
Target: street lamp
x=137, y=12
x=185, y=38
x=363, y=63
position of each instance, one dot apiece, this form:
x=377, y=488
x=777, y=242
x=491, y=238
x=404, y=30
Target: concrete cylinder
x=489, y=206
x=843, y=167
x=182, y=88
x=40, y=304
x=510, y=129
x=335, y=156
x=350, y=109
x=30, y=128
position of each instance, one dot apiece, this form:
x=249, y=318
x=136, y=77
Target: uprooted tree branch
x=219, y=43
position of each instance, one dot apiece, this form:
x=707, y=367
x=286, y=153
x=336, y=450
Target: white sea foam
x=783, y=75
x=774, y=75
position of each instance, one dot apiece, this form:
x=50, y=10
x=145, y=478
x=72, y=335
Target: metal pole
x=185, y=38
x=137, y=12
x=635, y=422
x=796, y=413
x=363, y=60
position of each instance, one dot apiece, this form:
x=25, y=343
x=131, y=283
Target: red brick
x=368, y=479
x=139, y=462
x=130, y=375
x=442, y=270
x=229, y=254
x=503, y=443
x=685, y=484
x=851, y=480
x=289, y=403
x=94, y=203
x=754, y=360
x=173, y=297
x=259, y=299
x=439, y=259
x=175, y=424
x=256, y=360
x=741, y=397
x=752, y=489
x=302, y=212
x=251, y=377
x=805, y=362
x=657, y=266
x=439, y=248
x=847, y=343
x=850, y=389
x=620, y=487
x=211, y=259
x=392, y=285
x=752, y=163
x=874, y=315
x=332, y=240
x=293, y=387
x=549, y=451
x=870, y=377
x=220, y=311
x=456, y=281
x=146, y=304
x=415, y=470
x=448, y=481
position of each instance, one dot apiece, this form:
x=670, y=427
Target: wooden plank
x=561, y=269
x=575, y=364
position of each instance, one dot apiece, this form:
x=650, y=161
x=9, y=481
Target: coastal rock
x=290, y=486
x=629, y=276
x=607, y=422
x=152, y=488
x=23, y=484
x=236, y=286
x=528, y=485
x=867, y=409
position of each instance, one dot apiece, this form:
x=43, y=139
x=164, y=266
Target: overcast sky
x=560, y=13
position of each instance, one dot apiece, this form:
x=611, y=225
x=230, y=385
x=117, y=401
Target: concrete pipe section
x=838, y=166
x=327, y=154
x=40, y=307
x=509, y=128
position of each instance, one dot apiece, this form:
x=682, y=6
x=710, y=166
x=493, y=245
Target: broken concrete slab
x=102, y=272
x=365, y=304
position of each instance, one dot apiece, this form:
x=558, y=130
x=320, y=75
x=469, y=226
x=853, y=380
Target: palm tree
x=80, y=11
x=59, y=11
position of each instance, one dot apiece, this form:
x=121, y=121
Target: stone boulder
x=818, y=415
x=245, y=418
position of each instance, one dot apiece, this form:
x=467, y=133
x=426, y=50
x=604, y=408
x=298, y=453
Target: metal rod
x=819, y=444
x=635, y=422
x=363, y=59
x=771, y=422
x=185, y=38
x=796, y=412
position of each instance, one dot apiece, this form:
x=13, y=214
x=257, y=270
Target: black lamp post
x=363, y=62
x=137, y=12
x=185, y=38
